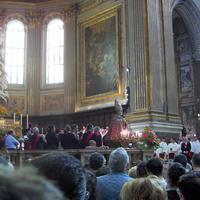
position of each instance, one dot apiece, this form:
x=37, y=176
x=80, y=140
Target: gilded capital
x=34, y=17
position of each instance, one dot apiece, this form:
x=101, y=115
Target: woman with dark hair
x=141, y=170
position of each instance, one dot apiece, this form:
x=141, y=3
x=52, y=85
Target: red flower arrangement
x=149, y=139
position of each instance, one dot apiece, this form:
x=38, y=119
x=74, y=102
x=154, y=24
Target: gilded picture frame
x=99, y=58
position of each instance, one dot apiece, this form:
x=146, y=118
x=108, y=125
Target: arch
x=15, y=16
x=53, y=15
x=190, y=14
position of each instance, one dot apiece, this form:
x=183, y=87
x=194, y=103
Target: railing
x=18, y=158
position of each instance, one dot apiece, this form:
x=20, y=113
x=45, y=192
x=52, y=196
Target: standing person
x=11, y=142
x=52, y=140
x=68, y=139
x=186, y=148
x=110, y=185
x=172, y=148
x=155, y=167
x=174, y=172
x=189, y=185
x=87, y=136
x=164, y=148
x=195, y=145
x=36, y=140
x=74, y=130
x=97, y=136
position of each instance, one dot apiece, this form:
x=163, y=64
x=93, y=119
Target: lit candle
x=21, y=119
x=14, y=118
x=27, y=121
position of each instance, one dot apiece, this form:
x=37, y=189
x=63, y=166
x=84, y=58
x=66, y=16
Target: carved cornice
x=65, y=14
x=89, y=4
x=34, y=17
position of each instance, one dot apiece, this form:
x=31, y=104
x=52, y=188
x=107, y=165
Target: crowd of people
x=172, y=173
x=187, y=146
x=68, y=138
x=62, y=177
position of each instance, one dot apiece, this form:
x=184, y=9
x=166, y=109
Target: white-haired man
x=110, y=185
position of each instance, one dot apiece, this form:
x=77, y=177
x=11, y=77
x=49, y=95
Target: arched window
x=15, y=51
x=55, y=52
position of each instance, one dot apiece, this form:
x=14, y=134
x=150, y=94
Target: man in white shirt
x=172, y=146
x=195, y=145
x=163, y=146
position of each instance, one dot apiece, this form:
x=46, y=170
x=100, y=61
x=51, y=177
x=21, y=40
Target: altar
x=7, y=123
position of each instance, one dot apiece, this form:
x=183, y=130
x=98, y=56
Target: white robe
x=164, y=147
x=195, y=146
x=172, y=147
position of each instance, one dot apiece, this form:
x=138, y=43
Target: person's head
x=96, y=130
x=172, y=140
x=67, y=128
x=154, y=166
x=118, y=160
x=96, y=161
x=89, y=127
x=10, y=132
x=174, y=172
x=36, y=130
x=189, y=186
x=51, y=128
x=196, y=161
x=132, y=172
x=143, y=188
x=181, y=158
x=92, y=143
x=185, y=139
x=163, y=139
x=66, y=171
x=142, y=170
x=74, y=128
x=20, y=186
x=195, y=138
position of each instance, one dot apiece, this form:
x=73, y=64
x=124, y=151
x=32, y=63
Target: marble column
x=33, y=70
x=153, y=76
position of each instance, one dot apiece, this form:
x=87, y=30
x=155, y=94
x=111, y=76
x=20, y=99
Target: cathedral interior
x=66, y=61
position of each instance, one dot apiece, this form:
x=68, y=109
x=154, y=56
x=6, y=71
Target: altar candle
x=42, y=130
x=14, y=118
x=21, y=119
x=27, y=121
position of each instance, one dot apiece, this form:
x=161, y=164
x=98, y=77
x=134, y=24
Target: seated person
x=91, y=145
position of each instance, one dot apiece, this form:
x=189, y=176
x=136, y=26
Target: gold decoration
x=103, y=65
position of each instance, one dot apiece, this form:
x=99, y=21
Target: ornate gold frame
x=83, y=100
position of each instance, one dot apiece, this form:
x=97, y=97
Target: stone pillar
x=70, y=61
x=153, y=77
x=33, y=69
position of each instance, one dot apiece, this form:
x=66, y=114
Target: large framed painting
x=100, y=76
